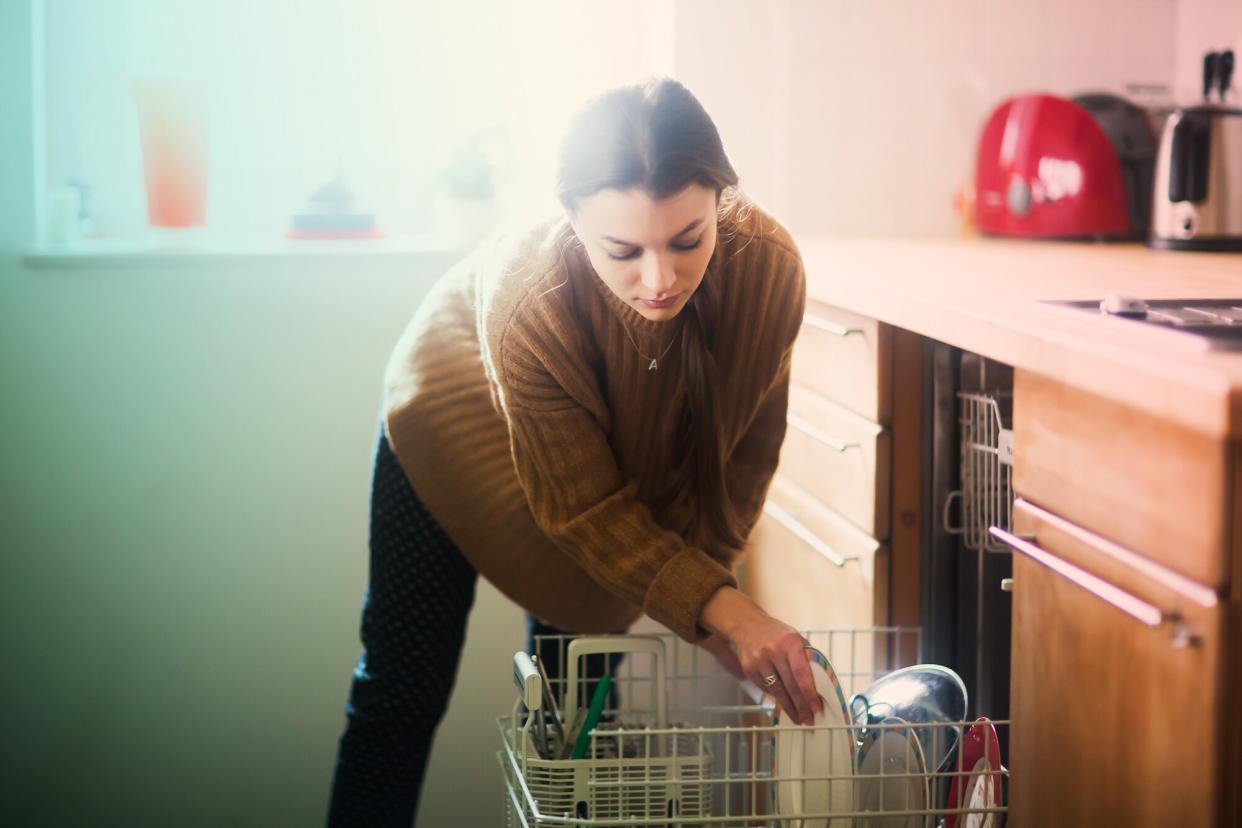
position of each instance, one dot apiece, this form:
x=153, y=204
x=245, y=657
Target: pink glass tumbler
x=173, y=127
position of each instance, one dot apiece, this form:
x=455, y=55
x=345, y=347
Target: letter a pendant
x=652, y=366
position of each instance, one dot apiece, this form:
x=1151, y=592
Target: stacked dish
x=891, y=749
x=977, y=782
x=883, y=752
x=928, y=696
x=815, y=764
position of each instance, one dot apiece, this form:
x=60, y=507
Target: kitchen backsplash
x=852, y=118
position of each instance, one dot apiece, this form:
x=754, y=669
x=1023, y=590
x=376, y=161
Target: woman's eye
x=633, y=254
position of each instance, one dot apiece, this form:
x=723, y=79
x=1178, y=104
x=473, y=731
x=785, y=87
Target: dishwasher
x=680, y=744
x=966, y=606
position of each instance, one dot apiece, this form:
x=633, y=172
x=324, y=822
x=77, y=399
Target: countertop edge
x=1176, y=379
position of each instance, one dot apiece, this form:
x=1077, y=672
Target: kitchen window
x=420, y=106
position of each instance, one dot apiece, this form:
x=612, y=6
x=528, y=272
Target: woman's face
x=650, y=253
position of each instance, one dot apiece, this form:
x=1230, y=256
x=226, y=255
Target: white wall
x=1204, y=26
x=851, y=118
x=17, y=139
x=184, y=471
x=184, y=478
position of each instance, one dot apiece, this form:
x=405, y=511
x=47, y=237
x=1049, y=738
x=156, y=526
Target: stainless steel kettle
x=1197, y=197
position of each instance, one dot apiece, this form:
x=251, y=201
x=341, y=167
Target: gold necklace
x=653, y=363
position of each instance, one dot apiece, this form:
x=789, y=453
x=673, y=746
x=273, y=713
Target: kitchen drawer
x=807, y=579
x=845, y=357
x=839, y=458
x=1145, y=483
x=836, y=538
x=1116, y=713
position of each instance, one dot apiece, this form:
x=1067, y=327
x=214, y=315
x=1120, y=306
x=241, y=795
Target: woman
x=590, y=412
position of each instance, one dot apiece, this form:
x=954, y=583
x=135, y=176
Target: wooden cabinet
x=1114, y=704
x=820, y=556
x=1128, y=454
x=1127, y=624
x=1125, y=675
x=1150, y=485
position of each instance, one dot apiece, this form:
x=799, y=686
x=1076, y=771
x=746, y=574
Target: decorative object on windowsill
x=67, y=218
x=466, y=206
x=332, y=212
x=173, y=120
x=63, y=204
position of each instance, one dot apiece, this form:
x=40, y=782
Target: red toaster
x=1059, y=168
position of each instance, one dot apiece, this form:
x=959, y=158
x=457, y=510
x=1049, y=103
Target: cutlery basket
x=637, y=769
x=630, y=778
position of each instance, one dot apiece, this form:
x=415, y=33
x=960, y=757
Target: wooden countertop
x=983, y=295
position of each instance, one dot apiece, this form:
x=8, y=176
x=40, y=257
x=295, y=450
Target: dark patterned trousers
x=414, y=617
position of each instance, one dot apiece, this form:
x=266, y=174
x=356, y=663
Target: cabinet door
x=1160, y=489
x=839, y=458
x=845, y=357
x=1116, y=690
x=788, y=572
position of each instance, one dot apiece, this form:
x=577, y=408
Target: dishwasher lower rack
x=713, y=762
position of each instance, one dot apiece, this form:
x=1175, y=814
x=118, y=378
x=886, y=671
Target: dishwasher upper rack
x=712, y=765
x=985, y=438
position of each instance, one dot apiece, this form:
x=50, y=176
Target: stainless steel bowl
x=925, y=694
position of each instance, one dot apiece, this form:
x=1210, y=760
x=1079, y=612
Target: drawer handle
x=791, y=523
x=1136, y=608
x=821, y=324
x=815, y=434
x=1201, y=595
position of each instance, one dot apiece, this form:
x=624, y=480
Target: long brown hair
x=656, y=136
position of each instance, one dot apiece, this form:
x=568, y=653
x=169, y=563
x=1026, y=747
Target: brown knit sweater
x=529, y=425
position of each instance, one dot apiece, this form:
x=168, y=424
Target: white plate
x=823, y=753
x=892, y=749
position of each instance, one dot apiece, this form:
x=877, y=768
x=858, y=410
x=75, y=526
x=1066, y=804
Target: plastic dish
x=891, y=749
x=814, y=770
x=978, y=783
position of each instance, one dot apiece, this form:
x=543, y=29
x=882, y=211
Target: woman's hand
x=765, y=647
x=723, y=653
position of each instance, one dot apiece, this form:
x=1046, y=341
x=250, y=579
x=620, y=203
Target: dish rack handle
x=581, y=647
x=945, y=520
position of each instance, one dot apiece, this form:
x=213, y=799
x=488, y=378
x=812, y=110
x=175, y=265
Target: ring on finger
x=768, y=681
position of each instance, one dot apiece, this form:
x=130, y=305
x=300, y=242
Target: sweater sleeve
x=582, y=501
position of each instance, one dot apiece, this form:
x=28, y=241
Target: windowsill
x=190, y=249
